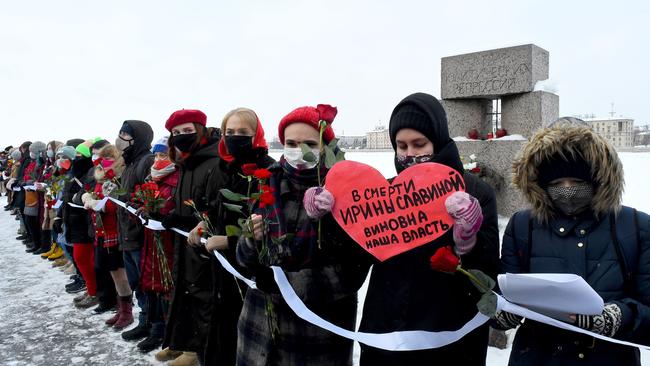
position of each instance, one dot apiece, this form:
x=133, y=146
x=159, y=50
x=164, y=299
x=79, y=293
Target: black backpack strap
x=521, y=220
x=622, y=261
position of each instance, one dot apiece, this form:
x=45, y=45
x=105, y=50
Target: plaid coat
x=327, y=284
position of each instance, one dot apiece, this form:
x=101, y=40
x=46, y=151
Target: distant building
x=618, y=131
x=642, y=135
x=352, y=142
x=378, y=138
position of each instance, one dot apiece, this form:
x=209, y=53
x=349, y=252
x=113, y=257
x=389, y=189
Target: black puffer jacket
x=542, y=241
x=138, y=161
x=76, y=220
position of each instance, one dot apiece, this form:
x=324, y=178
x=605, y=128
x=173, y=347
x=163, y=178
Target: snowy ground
x=38, y=323
x=40, y=326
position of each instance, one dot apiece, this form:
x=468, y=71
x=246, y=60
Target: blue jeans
x=60, y=239
x=132, y=267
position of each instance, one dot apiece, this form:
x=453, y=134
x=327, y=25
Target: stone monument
x=496, y=89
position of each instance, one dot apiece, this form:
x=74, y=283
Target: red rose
x=97, y=162
x=266, y=197
x=262, y=173
x=327, y=112
x=476, y=170
x=109, y=174
x=445, y=260
x=248, y=169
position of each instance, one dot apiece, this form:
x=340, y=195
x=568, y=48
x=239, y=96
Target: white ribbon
x=410, y=340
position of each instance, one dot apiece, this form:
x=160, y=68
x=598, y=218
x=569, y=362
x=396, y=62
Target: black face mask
x=184, y=142
x=240, y=147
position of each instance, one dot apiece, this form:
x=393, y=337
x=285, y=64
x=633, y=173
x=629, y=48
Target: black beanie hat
x=423, y=113
x=563, y=166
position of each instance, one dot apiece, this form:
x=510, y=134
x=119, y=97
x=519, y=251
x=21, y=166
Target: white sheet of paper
x=57, y=204
x=155, y=225
x=100, y=205
x=16, y=189
x=118, y=202
x=75, y=206
x=30, y=188
x=554, y=294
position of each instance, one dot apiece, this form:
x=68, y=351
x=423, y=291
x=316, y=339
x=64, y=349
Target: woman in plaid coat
x=326, y=275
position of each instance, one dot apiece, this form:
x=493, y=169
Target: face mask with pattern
x=571, y=200
x=406, y=161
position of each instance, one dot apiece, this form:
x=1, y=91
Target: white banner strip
x=404, y=340
x=505, y=305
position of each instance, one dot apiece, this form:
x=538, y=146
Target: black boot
x=150, y=343
x=139, y=332
x=104, y=307
x=22, y=237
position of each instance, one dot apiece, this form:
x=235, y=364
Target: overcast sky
x=79, y=68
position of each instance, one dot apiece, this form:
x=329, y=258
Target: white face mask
x=32, y=155
x=50, y=154
x=95, y=157
x=293, y=156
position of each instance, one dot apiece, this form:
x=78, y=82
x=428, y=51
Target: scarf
x=293, y=235
x=159, y=174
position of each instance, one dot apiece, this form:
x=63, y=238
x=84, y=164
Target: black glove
x=57, y=226
x=607, y=323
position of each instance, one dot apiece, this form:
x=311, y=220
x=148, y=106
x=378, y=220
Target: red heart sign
x=387, y=219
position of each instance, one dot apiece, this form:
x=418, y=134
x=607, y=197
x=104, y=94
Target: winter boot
x=152, y=342
x=58, y=253
x=125, y=314
x=89, y=301
x=76, y=286
x=139, y=332
x=104, y=307
x=60, y=262
x=186, y=359
x=80, y=297
x=49, y=252
x=167, y=355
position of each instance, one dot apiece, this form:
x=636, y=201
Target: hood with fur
x=606, y=168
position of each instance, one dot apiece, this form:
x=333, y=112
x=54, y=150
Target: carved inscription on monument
x=493, y=73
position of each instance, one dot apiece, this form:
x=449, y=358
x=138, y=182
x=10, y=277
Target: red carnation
x=445, y=260
x=248, y=169
x=327, y=112
x=262, y=173
x=97, y=162
x=476, y=170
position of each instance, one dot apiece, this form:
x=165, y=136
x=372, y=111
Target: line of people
x=200, y=314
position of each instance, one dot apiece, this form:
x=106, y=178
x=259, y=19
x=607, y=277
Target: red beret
x=311, y=116
x=186, y=116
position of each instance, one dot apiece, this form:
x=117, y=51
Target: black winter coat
x=404, y=293
x=77, y=221
x=584, y=246
x=138, y=161
x=191, y=307
x=227, y=294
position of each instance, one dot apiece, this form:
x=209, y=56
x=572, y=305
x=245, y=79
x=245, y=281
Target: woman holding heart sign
x=322, y=263
x=404, y=292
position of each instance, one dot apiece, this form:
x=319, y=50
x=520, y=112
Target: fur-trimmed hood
x=606, y=168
